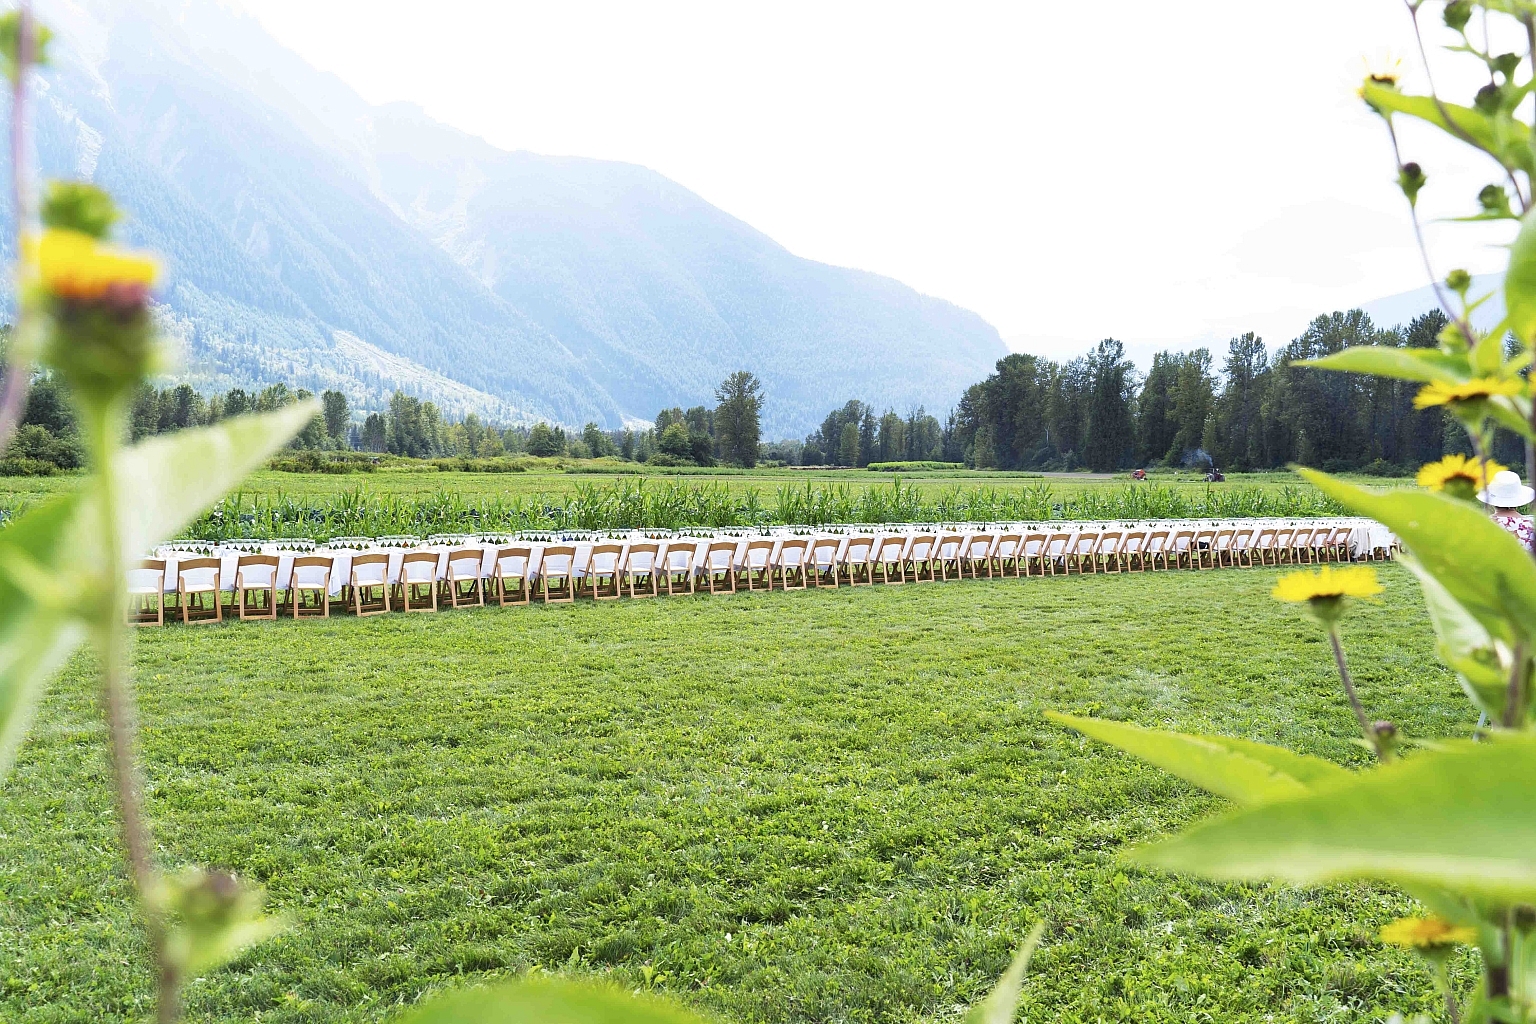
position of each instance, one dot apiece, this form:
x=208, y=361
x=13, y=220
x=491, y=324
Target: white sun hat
x=1506, y=491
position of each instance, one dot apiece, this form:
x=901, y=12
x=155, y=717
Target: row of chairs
x=647, y=569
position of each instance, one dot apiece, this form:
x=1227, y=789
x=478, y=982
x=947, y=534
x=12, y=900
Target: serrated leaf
x=1462, y=821
x=1241, y=770
x=1422, y=364
x=1479, y=564
x=1003, y=1001
x=548, y=1001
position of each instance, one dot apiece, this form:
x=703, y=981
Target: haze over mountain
x=316, y=239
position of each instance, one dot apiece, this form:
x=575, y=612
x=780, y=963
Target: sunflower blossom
x=1443, y=392
x=1458, y=471
x=77, y=268
x=1356, y=581
x=1426, y=933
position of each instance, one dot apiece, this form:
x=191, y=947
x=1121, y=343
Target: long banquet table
x=1365, y=536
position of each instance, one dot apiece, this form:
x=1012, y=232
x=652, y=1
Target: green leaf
x=1493, y=136
x=1520, y=282
x=37, y=633
x=540, y=1000
x=1464, y=645
x=173, y=477
x=1478, y=563
x=1463, y=821
x=213, y=918
x=1241, y=770
x=1424, y=364
x=1003, y=1001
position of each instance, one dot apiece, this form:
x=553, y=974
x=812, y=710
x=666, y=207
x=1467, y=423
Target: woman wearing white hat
x=1505, y=495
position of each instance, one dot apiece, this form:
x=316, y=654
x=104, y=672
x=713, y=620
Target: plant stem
x=1515, y=691
x=1349, y=691
x=19, y=370
x=111, y=640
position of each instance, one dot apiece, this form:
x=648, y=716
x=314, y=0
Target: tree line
x=1254, y=409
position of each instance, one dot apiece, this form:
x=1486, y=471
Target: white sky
x=1163, y=173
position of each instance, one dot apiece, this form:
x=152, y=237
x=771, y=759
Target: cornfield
x=675, y=505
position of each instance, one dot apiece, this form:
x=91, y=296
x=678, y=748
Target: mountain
x=314, y=238
x=1401, y=308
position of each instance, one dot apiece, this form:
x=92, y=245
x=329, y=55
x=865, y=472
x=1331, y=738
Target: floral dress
x=1516, y=524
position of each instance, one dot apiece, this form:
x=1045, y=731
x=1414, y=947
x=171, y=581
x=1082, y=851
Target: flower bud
x=1505, y=64
x=1410, y=178
x=1493, y=199
x=1457, y=14
x=1488, y=99
x=1458, y=281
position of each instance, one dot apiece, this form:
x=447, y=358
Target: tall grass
x=679, y=504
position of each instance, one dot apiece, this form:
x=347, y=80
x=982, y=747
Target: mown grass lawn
x=818, y=806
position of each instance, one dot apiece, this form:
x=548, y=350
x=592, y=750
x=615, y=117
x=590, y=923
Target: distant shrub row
x=909, y=467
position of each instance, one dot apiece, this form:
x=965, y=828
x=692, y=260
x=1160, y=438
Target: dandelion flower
x=1443, y=392
x=1426, y=933
x=1458, y=473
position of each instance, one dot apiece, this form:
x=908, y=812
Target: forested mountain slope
x=289, y=210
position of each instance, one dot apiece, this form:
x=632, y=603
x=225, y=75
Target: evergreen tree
x=1110, y=435
x=737, y=426
x=337, y=415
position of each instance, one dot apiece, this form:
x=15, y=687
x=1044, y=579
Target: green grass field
x=817, y=806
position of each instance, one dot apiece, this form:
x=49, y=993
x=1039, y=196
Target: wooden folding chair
x=822, y=562
x=418, y=573
x=947, y=554
x=512, y=565
x=256, y=574
x=1081, y=550
x=720, y=567
x=1106, y=553
x=677, y=567
x=1301, y=544
x=370, y=572
x=205, y=584
x=758, y=564
x=1033, y=551
x=976, y=554
x=640, y=565
x=1159, y=544
x=855, y=563
x=1181, y=545
x=1241, y=551
x=146, y=592
x=1200, y=547
x=1221, y=547
x=557, y=572
x=1264, y=546
x=790, y=564
x=1058, y=549
x=1133, y=551
x=888, y=555
x=603, y=567
x=462, y=583
x=1008, y=553
x=311, y=575
x=1283, y=537
x=919, y=562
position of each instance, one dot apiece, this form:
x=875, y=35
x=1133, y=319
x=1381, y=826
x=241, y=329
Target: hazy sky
x=1162, y=173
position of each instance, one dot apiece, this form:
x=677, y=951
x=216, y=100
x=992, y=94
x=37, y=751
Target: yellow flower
x=77, y=267
x=1426, y=933
x=1443, y=392
x=1457, y=470
x=1327, y=584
